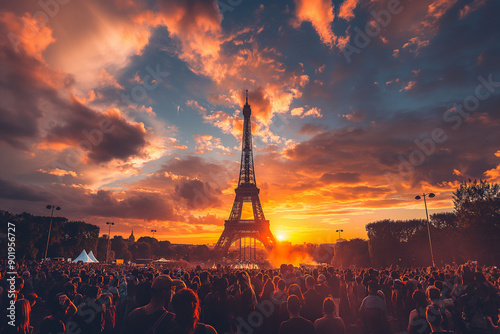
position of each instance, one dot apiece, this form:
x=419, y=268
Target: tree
x=120, y=247
x=444, y=220
x=140, y=250
x=102, y=247
x=164, y=249
x=67, y=238
x=358, y=250
x=477, y=205
x=152, y=242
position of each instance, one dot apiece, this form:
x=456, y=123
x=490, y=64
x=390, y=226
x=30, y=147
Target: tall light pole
x=431, y=195
x=152, y=256
x=340, y=251
x=109, y=238
x=50, y=207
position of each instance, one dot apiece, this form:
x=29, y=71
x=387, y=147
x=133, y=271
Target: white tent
x=83, y=257
x=92, y=257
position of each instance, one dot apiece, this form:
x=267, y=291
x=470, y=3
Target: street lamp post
x=50, y=207
x=431, y=195
x=109, y=238
x=152, y=256
x=340, y=251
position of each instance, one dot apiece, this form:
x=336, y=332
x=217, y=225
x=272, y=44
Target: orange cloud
x=472, y=7
x=347, y=9
x=232, y=124
x=320, y=14
x=107, y=79
x=207, y=143
x=26, y=34
x=232, y=59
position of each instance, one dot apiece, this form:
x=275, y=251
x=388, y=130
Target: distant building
x=131, y=238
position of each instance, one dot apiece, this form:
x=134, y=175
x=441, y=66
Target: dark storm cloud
x=202, y=169
x=375, y=150
x=29, y=90
x=21, y=92
x=139, y=205
x=345, y=177
x=312, y=129
x=114, y=136
x=11, y=190
x=197, y=194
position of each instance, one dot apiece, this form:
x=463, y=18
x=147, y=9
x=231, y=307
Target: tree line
x=69, y=238
x=470, y=232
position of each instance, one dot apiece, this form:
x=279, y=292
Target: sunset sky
x=130, y=111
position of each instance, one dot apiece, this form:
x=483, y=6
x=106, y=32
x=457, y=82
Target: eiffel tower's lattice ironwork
x=236, y=228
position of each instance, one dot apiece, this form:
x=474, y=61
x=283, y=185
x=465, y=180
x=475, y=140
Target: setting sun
x=280, y=237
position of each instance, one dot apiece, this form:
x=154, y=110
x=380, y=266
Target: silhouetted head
x=23, y=312
x=419, y=298
x=373, y=288
x=433, y=293
x=161, y=289
x=268, y=289
x=293, y=305
x=328, y=306
x=186, y=307
x=294, y=290
x=281, y=284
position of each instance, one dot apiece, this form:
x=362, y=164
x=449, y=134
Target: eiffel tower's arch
x=247, y=192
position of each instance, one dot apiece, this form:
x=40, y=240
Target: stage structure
x=236, y=228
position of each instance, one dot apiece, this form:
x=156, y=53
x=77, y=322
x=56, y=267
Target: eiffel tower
x=236, y=228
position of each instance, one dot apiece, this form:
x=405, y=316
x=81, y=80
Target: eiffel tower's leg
x=229, y=241
x=237, y=207
x=221, y=244
x=258, y=213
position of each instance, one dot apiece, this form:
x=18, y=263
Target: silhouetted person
x=373, y=312
x=313, y=301
x=220, y=307
x=296, y=324
x=186, y=306
x=322, y=288
x=435, y=319
x=281, y=295
x=417, y=324
x=89, y=318
x=153, y=317
x=293, y=290
x=61, y=309
x=329, y=323
x=22, y=321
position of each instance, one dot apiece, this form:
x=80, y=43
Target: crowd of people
x=56, y=297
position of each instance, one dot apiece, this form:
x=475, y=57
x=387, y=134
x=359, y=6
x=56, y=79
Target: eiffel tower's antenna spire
x=246, y=109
